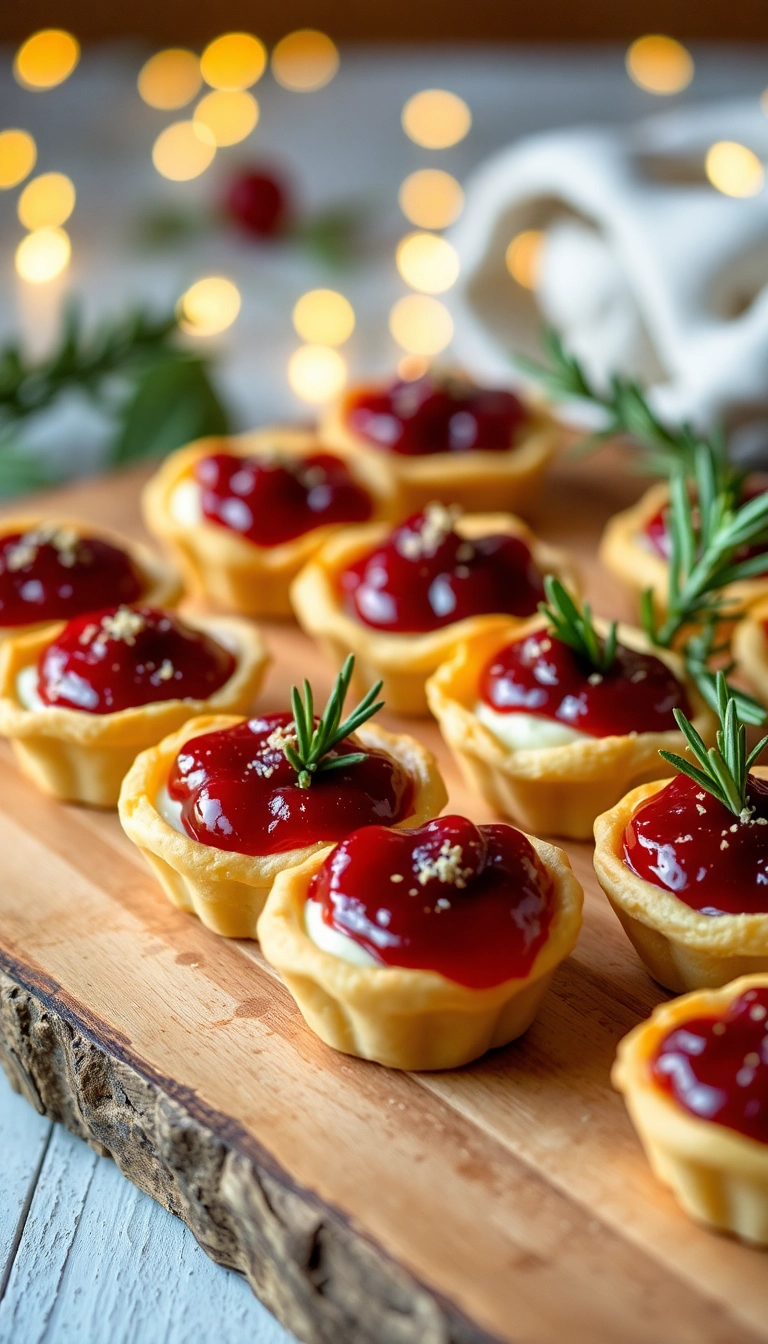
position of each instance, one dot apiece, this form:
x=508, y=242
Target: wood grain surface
x=508, y=1201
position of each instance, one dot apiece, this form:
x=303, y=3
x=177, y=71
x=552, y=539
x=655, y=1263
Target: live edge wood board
x=508, y=1201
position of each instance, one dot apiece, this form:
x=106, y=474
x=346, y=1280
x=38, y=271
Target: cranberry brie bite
x=241, y=516
x=222, y=806
x=80, y=700
x=685, y=863
x=54, y=569
x=401, y=599
x=443, y=437
x=422, y=949
x=552, y=722
x=695, y=1081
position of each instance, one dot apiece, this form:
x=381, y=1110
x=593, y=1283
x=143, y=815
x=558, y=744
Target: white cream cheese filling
x=330, y=940
x=169, y=809
x=27, y=693
x=527, y=732
x=185, y=503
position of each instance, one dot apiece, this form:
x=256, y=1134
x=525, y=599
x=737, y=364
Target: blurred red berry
x=258, y=202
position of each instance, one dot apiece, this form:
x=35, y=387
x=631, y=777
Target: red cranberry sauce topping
x=436, y=416
x=273, y=499
x=541, y=675
x=686, y=842
x=110, y=660
x=656, y=531
x=716, y=1068
x=425, y=576
x=238, y=791
x=472, y=902
x=52, y=573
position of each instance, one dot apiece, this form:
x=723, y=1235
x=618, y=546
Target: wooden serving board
x=507, y=1201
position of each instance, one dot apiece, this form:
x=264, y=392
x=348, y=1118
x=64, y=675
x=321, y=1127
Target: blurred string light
x=18, y=155
x=305, y=60
x=46, y=59
x=316, y=373
x=733, y=169
x=170, y=78
x=431, y=198
x=183, y=150
x=427, y=262
x=229, y=114
x=234, y=61
x=411, y=367
x=43, y=255
x=47, y=201
x=421, y=325
x=324, y=317
x=436, y=119
x=659, y=64
x=523, y=257
x=209, y=306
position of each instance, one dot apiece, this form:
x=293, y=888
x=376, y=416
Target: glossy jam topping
x=273, y=499
x=110, y=660
x=472, y=902
x=433, y=415
x=540, y=675
x=684, y=840
x=238, y=792
x=52, y=573
x=425, y=576
x=716, y=1068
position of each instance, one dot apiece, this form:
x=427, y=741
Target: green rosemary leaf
x=314, y=742
x=724, y=768
x=698, y=776
x=756, y=752
x=339, y=762
x=575, y=627
x=300, y=725
x=695, y=741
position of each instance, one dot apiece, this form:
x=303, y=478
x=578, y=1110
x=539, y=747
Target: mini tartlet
x=233, y=762
x=404, y=658
x=49, y=572
x=403, y=1015
x=221, y=563
x=682, y=946
x=635, y=548
x=718, y=1174
x=81, y=756
x=549, y=789
x=508, y=476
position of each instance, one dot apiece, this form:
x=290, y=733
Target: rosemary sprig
x=722, y=770
x=313, y=743
x=573, y=626
x=625, y=407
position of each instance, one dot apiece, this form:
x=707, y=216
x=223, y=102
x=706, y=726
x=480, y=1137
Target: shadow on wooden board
x=195, y=21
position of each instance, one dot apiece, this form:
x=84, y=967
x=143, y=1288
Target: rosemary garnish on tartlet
x=309, y=755
x=723, y=770
x=573, y=625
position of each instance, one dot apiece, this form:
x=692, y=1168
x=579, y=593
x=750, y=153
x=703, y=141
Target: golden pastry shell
x=404, y=1018
x=80, y=757
x=682, y=948
x=402, y=661
x=227, y=569
x=227, y=890
x=550, y=790
x=718, y=1176
x=749, y=647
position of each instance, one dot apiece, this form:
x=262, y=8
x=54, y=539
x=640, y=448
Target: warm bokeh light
x=183, y=150
x=324, y=317
x=523, y=257
x=659, y=64
x=234, y=61
x=209, y=306
x=46, y=201
x=170, y=78
x=734, y=169
x=420, y=325
x=305, y=60
x=411, y=367
x=431, y=198
x=427, y=262
x=46, y=59
x=43, y=255
x=18, y=155
x=230, y=115
x=316, y=373
x=436, y=118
